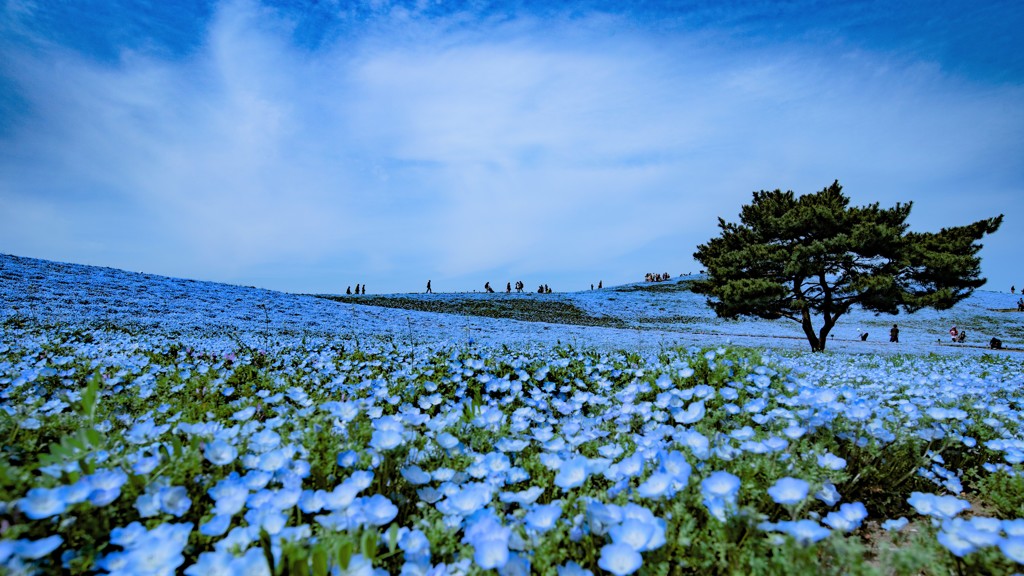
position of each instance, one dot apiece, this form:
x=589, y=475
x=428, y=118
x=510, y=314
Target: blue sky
x=309, y=146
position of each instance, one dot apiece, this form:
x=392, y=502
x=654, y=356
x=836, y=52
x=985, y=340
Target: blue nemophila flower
x=657, y=485
x=30, y=423
x=106, y=486
x=489, y=540
x=803, y=531
x=828, y=494
x=343, y=411
x=467, y=500
x=358, y=565
x=523, y=498
x=627, y=467
x=216, y=526
x=266, y=517
x=954, y=540
x=1014, y=527
x=698, y=444
x=36, y=549
x=794, y=432
x=415, y=545
x=174, y=500
x=41, y=503
x=145, y=431
x=145, y=464
x=378, y=510
x=348, y=458
x=789, y=491
x=830, y=461
x=941, y=507
x=633, y=532
x=693, y=413
x=156, y=551
x=776, y=444
x=720, y=484
x=572, y=474
x=229, y=495
x=78, y=492
x=744, y=433
x=1013, y=548
x=343, y=494
x=264, y=440
x=220, y=452
x=415, y=475
x=542, y=518
x=447, y=440
x=275, y=460
x=895, y=525
x=224, y=563
x=620, y=559
x=847, y=518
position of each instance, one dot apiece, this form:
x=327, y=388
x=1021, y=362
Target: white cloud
x=519, y=147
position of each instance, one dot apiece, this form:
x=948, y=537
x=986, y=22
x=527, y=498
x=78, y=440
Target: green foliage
x=1004, y=493
x=794, y=258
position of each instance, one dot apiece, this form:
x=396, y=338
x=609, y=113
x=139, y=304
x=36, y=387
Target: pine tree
x=796, y=258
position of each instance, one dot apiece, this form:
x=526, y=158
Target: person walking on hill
x=600, y=284
x=894, y=334
x=348, y=290
x=429, y=291
x=357, y=289
x=508, y=287
x=487, y=288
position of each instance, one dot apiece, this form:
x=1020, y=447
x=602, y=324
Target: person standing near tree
x=894, y=334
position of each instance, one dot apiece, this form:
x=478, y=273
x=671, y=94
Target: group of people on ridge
x=652, y=277
x=348, y=289
x=543, y=289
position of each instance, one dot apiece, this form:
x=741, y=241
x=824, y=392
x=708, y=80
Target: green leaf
x=345, y=552
x=319, y=562
x=368, y=544
x=392, y=538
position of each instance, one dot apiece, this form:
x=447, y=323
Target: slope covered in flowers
x=222, y=437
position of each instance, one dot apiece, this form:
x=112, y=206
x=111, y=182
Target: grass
x=514, y=308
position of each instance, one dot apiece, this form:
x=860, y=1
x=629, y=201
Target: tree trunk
x=812, y=338
x=823, y=335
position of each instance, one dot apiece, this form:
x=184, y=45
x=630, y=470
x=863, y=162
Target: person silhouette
x=429, y=291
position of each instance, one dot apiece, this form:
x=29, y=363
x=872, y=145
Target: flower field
x=140, y=449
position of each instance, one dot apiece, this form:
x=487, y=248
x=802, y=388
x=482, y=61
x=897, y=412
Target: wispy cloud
x=468, y=147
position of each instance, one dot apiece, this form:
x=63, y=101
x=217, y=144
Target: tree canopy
x=798, y=257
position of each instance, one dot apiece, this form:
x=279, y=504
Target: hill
x=640, y=314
